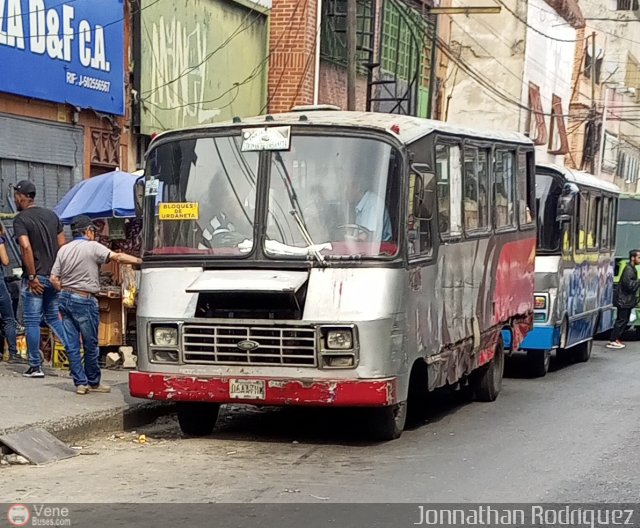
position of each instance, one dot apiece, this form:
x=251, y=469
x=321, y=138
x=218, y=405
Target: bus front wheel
x=487, y=380
x=197, y=418
x=538, y=361
x=387, y=423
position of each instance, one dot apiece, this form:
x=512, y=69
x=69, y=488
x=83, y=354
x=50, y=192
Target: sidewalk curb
x=123, y=418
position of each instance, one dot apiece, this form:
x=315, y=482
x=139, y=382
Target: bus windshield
x=341, y=189
x=548, y=190
x=327, y=195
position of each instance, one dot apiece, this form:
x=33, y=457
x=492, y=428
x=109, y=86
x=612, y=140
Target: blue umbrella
x=105, y=196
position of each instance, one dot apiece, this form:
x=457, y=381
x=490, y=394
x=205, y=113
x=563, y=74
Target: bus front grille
x=249, y=345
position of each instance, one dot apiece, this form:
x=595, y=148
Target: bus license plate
x=246, y=390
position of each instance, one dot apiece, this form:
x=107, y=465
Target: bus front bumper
x=272, y=391
x=541, y=338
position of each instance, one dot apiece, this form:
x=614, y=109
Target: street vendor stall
x=108, y=200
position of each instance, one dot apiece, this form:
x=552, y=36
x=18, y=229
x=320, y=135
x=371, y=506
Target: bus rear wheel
x=538, y=362
x=582, y=352
x=197, y=418
x=387, y=423
x=487, y=380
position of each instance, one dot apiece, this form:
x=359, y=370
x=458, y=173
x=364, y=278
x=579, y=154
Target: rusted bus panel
x=459, y=306
x=284, y=391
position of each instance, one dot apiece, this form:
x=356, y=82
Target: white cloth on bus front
x=277, y=248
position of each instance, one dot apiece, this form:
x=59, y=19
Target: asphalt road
x=571, y=436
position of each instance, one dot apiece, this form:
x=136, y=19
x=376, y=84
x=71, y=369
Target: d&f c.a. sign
x=66, y=52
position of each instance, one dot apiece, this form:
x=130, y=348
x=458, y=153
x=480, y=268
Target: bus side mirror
x=566, y=203
x=138, y=195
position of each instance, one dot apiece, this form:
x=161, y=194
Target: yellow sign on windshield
x=179, y=211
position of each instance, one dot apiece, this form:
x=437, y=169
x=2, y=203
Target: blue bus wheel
x=538, y=362
x=582, y=352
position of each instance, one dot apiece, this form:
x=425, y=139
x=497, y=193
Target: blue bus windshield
x=548, y=191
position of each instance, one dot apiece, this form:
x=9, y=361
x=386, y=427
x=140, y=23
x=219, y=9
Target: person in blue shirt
x=370, y=212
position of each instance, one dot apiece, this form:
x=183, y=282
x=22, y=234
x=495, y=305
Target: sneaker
x=82, y=389
x=34, y=372
x=615, y=345
x=100, y=388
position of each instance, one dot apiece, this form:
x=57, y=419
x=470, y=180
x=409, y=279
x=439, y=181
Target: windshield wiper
x=297, y=210
x=307, y=237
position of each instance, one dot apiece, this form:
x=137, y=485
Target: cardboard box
x=110, y=329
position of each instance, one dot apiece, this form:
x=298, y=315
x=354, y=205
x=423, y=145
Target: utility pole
x=603, y=134
x=593, y=69
x=593, y=117
x=352, y=52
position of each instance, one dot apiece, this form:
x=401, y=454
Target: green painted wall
x=202, y=61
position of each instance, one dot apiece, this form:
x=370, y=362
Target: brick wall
x=292, y=46
x=333, y=87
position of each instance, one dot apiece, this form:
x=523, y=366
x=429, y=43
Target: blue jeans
x=37, y=308
x=80, y=318
x=8, y=319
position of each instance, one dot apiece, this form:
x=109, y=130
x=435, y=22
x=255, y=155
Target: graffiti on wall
x=201, y=65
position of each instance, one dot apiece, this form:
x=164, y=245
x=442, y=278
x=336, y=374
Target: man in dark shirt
x=39, y=234
x=628, y=288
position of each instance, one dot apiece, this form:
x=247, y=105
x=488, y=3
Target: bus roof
x=581, y=178
x=409, y=128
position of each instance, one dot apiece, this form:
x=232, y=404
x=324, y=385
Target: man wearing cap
x=39, y=234
x=76, y=273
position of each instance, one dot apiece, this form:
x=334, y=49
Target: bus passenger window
x=418, y=221
x=604, y=228
x=583, y=213
x=523, y=190
x=449, y=189
x=443, y=190
x=470, y=189
x=594, y=216
x=475, y=206
x=504, y=171
x=613, y=222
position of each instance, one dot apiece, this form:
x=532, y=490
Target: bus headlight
x=539, y=302
x=340, y=339
x=165, y=336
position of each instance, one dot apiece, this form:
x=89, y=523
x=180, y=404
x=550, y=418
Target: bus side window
x=525, y=184
x=594, y=217
x=504, y=179
x=583, y=214
x=475, y=184
x=604, y=228
x=442, y=188
x=419, y=214
x=613, y=223
x=449, y=189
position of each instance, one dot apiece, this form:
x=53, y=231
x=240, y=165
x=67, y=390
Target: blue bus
x=575, y=251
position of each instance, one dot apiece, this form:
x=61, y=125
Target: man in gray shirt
x=76, y=273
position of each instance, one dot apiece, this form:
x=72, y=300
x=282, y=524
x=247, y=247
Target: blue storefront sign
x=66, y=52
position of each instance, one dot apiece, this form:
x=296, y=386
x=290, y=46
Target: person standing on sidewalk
x=39, y=234
x=9, y=325
x=76, y=273
x=627, y=299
